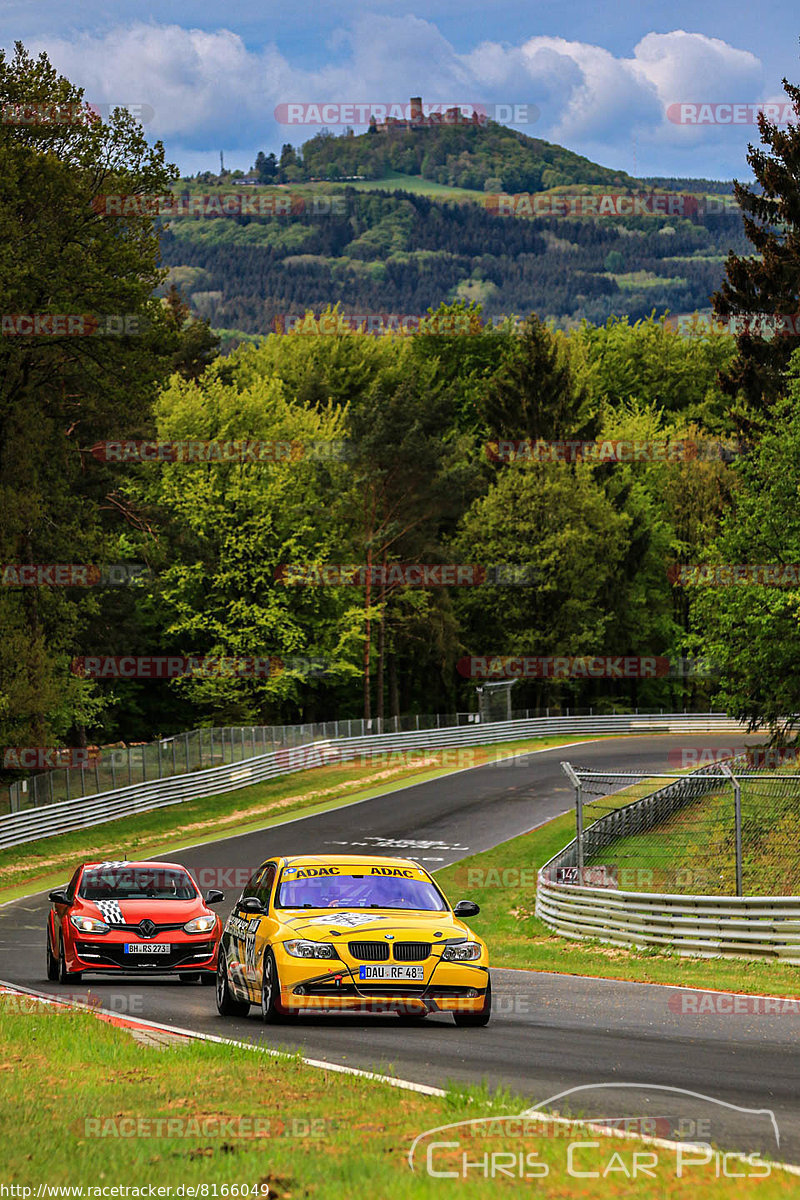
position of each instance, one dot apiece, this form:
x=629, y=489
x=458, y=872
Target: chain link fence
x=731, y=828
x=121, y=765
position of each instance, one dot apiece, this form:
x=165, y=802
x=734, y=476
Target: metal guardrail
x=114, y=766
x=68, y=816
x=709, y=926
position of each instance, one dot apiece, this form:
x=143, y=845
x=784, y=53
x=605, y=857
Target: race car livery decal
x=245, y=934
x=112, y=913
x=349, y=919
x=310, y=872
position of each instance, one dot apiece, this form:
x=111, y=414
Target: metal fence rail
x=199, y=749
x=705, y=925
x=67, y=816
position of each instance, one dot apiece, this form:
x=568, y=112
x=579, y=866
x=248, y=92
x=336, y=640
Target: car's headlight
x=89, y=925
x=300, y=948
x=201, y=924
x=462, y=952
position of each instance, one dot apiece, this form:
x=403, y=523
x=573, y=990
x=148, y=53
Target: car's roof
x=340, y=860
x=147, y=864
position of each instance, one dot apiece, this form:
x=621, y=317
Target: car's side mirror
x=60, y=896
x=250, y=904
x=214, y=895
x=467, y=908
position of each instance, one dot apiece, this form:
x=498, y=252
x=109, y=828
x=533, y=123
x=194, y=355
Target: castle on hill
x=417, y=120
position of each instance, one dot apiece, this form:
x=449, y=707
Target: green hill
x=488, y=157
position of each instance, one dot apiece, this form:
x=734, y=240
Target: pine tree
x=769, y=282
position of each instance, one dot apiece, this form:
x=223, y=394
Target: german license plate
x=389, y=974
x=147, y=948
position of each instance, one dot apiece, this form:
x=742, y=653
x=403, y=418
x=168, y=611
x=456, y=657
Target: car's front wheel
x=227, y=1004
x=481, y=1017
x=270, y=990
x=52, y=963
x=65, y=976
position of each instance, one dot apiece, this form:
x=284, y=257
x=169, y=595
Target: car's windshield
x=136, y=883
x=359, y=891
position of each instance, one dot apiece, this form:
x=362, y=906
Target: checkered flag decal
x=112, y=913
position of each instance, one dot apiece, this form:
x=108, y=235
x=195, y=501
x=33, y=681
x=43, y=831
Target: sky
x=644, y=87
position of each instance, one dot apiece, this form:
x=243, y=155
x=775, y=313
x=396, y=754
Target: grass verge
x=49, y=862
x=82, y=1104
x=503, y=882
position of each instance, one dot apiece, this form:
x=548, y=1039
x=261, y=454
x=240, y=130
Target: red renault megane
x=137, y=917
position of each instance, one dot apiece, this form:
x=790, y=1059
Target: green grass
x=81, y=1103
x=396, y=181
x=674, y=856
x=635, y=280
x=50, y=861
x=502, y=881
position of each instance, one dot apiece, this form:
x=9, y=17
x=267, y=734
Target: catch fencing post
x=737, y=819
x=576, y=783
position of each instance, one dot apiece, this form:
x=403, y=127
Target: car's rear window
x=136, y=883
x=359, y=891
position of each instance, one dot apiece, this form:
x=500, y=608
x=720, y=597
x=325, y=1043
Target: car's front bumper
x=446, y=987
x=109, y=956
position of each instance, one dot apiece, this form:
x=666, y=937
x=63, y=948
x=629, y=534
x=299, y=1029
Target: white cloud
x=208, y=89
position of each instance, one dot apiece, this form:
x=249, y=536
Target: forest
x=337, y=505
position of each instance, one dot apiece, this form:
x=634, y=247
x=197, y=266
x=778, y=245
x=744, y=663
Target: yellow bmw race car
x=351, y=934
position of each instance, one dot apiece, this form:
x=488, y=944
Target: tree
x=196, y=346
x=60, y=394
x=266, y=167
x=751, y=630
x=769, y=282
x=555, y=521
x=534, y=394
x=410, y=478
x=225, y=529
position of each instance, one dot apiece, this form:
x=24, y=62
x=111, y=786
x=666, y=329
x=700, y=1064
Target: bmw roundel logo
x=389, y=937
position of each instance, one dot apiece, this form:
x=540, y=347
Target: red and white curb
x=151, y=1030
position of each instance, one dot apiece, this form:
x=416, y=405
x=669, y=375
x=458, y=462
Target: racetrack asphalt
x=548, y=1033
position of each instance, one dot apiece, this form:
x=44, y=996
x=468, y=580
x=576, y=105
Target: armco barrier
x=65, y=817
x=708, y=926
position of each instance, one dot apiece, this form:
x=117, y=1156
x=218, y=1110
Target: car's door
x=241, y=940
x=266, y=925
